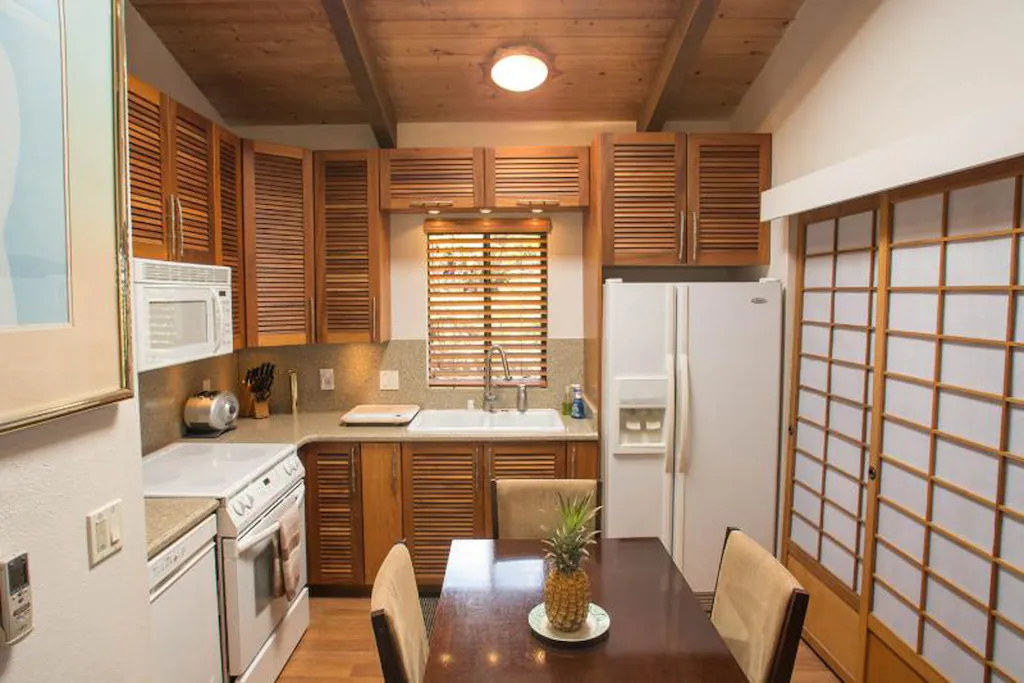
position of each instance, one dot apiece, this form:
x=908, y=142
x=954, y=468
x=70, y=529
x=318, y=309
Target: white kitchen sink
x=540, y=421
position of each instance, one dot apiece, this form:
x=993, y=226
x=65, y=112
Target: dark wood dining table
x=659, y=632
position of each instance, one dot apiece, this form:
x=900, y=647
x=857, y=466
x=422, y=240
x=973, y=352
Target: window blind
x=487, y=285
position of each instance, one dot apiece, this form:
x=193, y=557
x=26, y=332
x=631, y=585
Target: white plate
x=594, y=627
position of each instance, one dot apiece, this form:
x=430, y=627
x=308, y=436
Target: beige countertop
x=306, y=428
x=168, y=519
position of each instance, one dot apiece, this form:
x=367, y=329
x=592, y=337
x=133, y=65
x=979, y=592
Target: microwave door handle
x=215, y=306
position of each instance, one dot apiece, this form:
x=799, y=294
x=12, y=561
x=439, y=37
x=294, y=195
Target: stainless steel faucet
x=489, y=397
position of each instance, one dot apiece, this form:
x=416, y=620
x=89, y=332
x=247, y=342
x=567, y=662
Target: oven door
x=251, y=610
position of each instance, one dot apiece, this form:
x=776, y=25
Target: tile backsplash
x=356, y=378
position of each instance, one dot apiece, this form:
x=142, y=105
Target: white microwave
x=182, y=313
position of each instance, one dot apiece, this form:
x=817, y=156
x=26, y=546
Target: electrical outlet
x=326, y=379
x=103, y=529
x=389, y=380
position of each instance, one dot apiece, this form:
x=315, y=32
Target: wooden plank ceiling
x=277, y=61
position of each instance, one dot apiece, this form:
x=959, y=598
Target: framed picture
x=64, y=310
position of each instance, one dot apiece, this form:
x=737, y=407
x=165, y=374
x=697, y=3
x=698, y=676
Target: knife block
x=260, y=409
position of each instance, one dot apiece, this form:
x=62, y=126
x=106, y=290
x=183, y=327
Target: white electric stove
x=255, y=484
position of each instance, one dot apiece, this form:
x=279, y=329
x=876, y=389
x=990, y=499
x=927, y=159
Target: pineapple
x=567, y=586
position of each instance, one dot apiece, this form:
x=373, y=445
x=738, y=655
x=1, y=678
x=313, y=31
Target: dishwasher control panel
x=15, y=600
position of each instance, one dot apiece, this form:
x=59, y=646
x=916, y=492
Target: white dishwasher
x=184, y=606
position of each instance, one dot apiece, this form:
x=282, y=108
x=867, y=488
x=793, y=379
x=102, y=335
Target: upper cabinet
x=727, y=174
x=419, y=179
x=352, y=254
x=228, y=219
x=148, y=166
x=537, y=177
x=192, y=183
x=278, y=228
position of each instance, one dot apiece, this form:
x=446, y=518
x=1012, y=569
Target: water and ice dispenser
x=644, y=420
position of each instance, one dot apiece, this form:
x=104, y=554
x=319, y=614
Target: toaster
x=210, y=413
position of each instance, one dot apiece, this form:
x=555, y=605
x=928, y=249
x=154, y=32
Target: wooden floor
x=339, y=647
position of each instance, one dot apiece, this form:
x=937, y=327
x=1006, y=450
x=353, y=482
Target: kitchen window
x=487, y=284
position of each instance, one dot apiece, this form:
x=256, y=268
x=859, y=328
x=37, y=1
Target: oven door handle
x=250, y=543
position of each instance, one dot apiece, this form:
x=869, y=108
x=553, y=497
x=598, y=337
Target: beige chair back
x=759, y=610
x=528, y=508
x=397, y=619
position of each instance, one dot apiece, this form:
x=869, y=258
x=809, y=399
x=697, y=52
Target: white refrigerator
x=690, y=416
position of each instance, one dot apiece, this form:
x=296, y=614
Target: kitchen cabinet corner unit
x=421, y=179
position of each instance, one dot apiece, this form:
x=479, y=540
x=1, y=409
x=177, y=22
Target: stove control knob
x=238, y=507
x=249, y=500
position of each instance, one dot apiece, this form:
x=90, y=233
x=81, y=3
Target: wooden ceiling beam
x=681, y=49
x=352, y=38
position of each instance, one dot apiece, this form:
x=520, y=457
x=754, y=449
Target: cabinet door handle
x=394, y=469
x=352, y=469
x=172, y=248
x=572, y=461
x=309, y=316
x=373, y=319
x=696, y=233
x=181, y=229
x=682, y=236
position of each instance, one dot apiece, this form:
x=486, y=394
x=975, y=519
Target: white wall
x=507, y=134
x=320, y=137
x=91, y=625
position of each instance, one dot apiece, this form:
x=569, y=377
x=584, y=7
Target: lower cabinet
x=381, y=469
x=584, y=460
x=519, y=461
x=334, y=531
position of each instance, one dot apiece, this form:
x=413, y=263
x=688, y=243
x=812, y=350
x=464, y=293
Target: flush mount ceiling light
x=519, y=69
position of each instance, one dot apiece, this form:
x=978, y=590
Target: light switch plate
x=389, y=380
x=327, y=379
x=103, y=529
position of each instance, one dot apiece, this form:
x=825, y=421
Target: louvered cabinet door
x=531, y=177
x=520, y=461
x=148, y=171
x=228, y=223
x=192, y=185
x=443, y=501
x=643, y=198
x=353, y=275
x=334, y=514
x=727, y=174
x=278, y=228
x=428, y=178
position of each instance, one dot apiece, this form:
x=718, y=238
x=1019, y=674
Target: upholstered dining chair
x=397, y=619
x=528, y=508
x=758, y=610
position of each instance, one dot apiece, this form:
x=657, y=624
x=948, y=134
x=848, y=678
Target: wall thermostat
x=15, y=600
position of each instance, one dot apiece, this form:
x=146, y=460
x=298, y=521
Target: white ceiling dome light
x=519, y=69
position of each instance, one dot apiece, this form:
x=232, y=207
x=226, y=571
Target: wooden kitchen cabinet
x=727, y=173
x=278, y=244
x=537, y=177
x=192, y=178
x=443, y=499
x=149, y=170
x=526, y=460
x=334, y=514
x=353, y=302
x=227, y=218
x=380, y=466
x=419, y=179
x=584, y=460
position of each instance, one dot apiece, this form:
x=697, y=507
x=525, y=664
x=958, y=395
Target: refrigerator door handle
x=682, y=440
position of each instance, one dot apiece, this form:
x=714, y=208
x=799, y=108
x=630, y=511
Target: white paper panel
x=1020, y=261
x=982, y=208
x=905, y=488
x=804, y=535
x=806, y=504
x=1018, y=322
x=972, y=418
x=850, y=345
x=813, y=373
x=859, y=581
x=898, y=617
x=842, y=491
x=818, y=306
x=845, y=456
x=818, y=271
x=810, y=439
x=913, y=357
x=856, y=231
x=852, y=308
x=846, y=419
x=950, y=659
x=1014, y=498
x=898, y=573
x=915, y=266
x=837, y=561
x=906, y=445
x=811, y=406
x=807, y=471
x=821, y=237
x=917, y=219
x=1017, y=374
x=1012, y=548
x=982, y=368
x=967, y=519
x=977, y=316
x=853, y=269
x=964, y=568
x=967, y=468
x=982, y=262
x=814, y=340
x=1010, y=601
x=848, y=382
x=909, y=401
x=966, y=621
x=842, y=528
x=912, y=312
x=1016, y=435
x=1008, y=651
x=903, y=532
